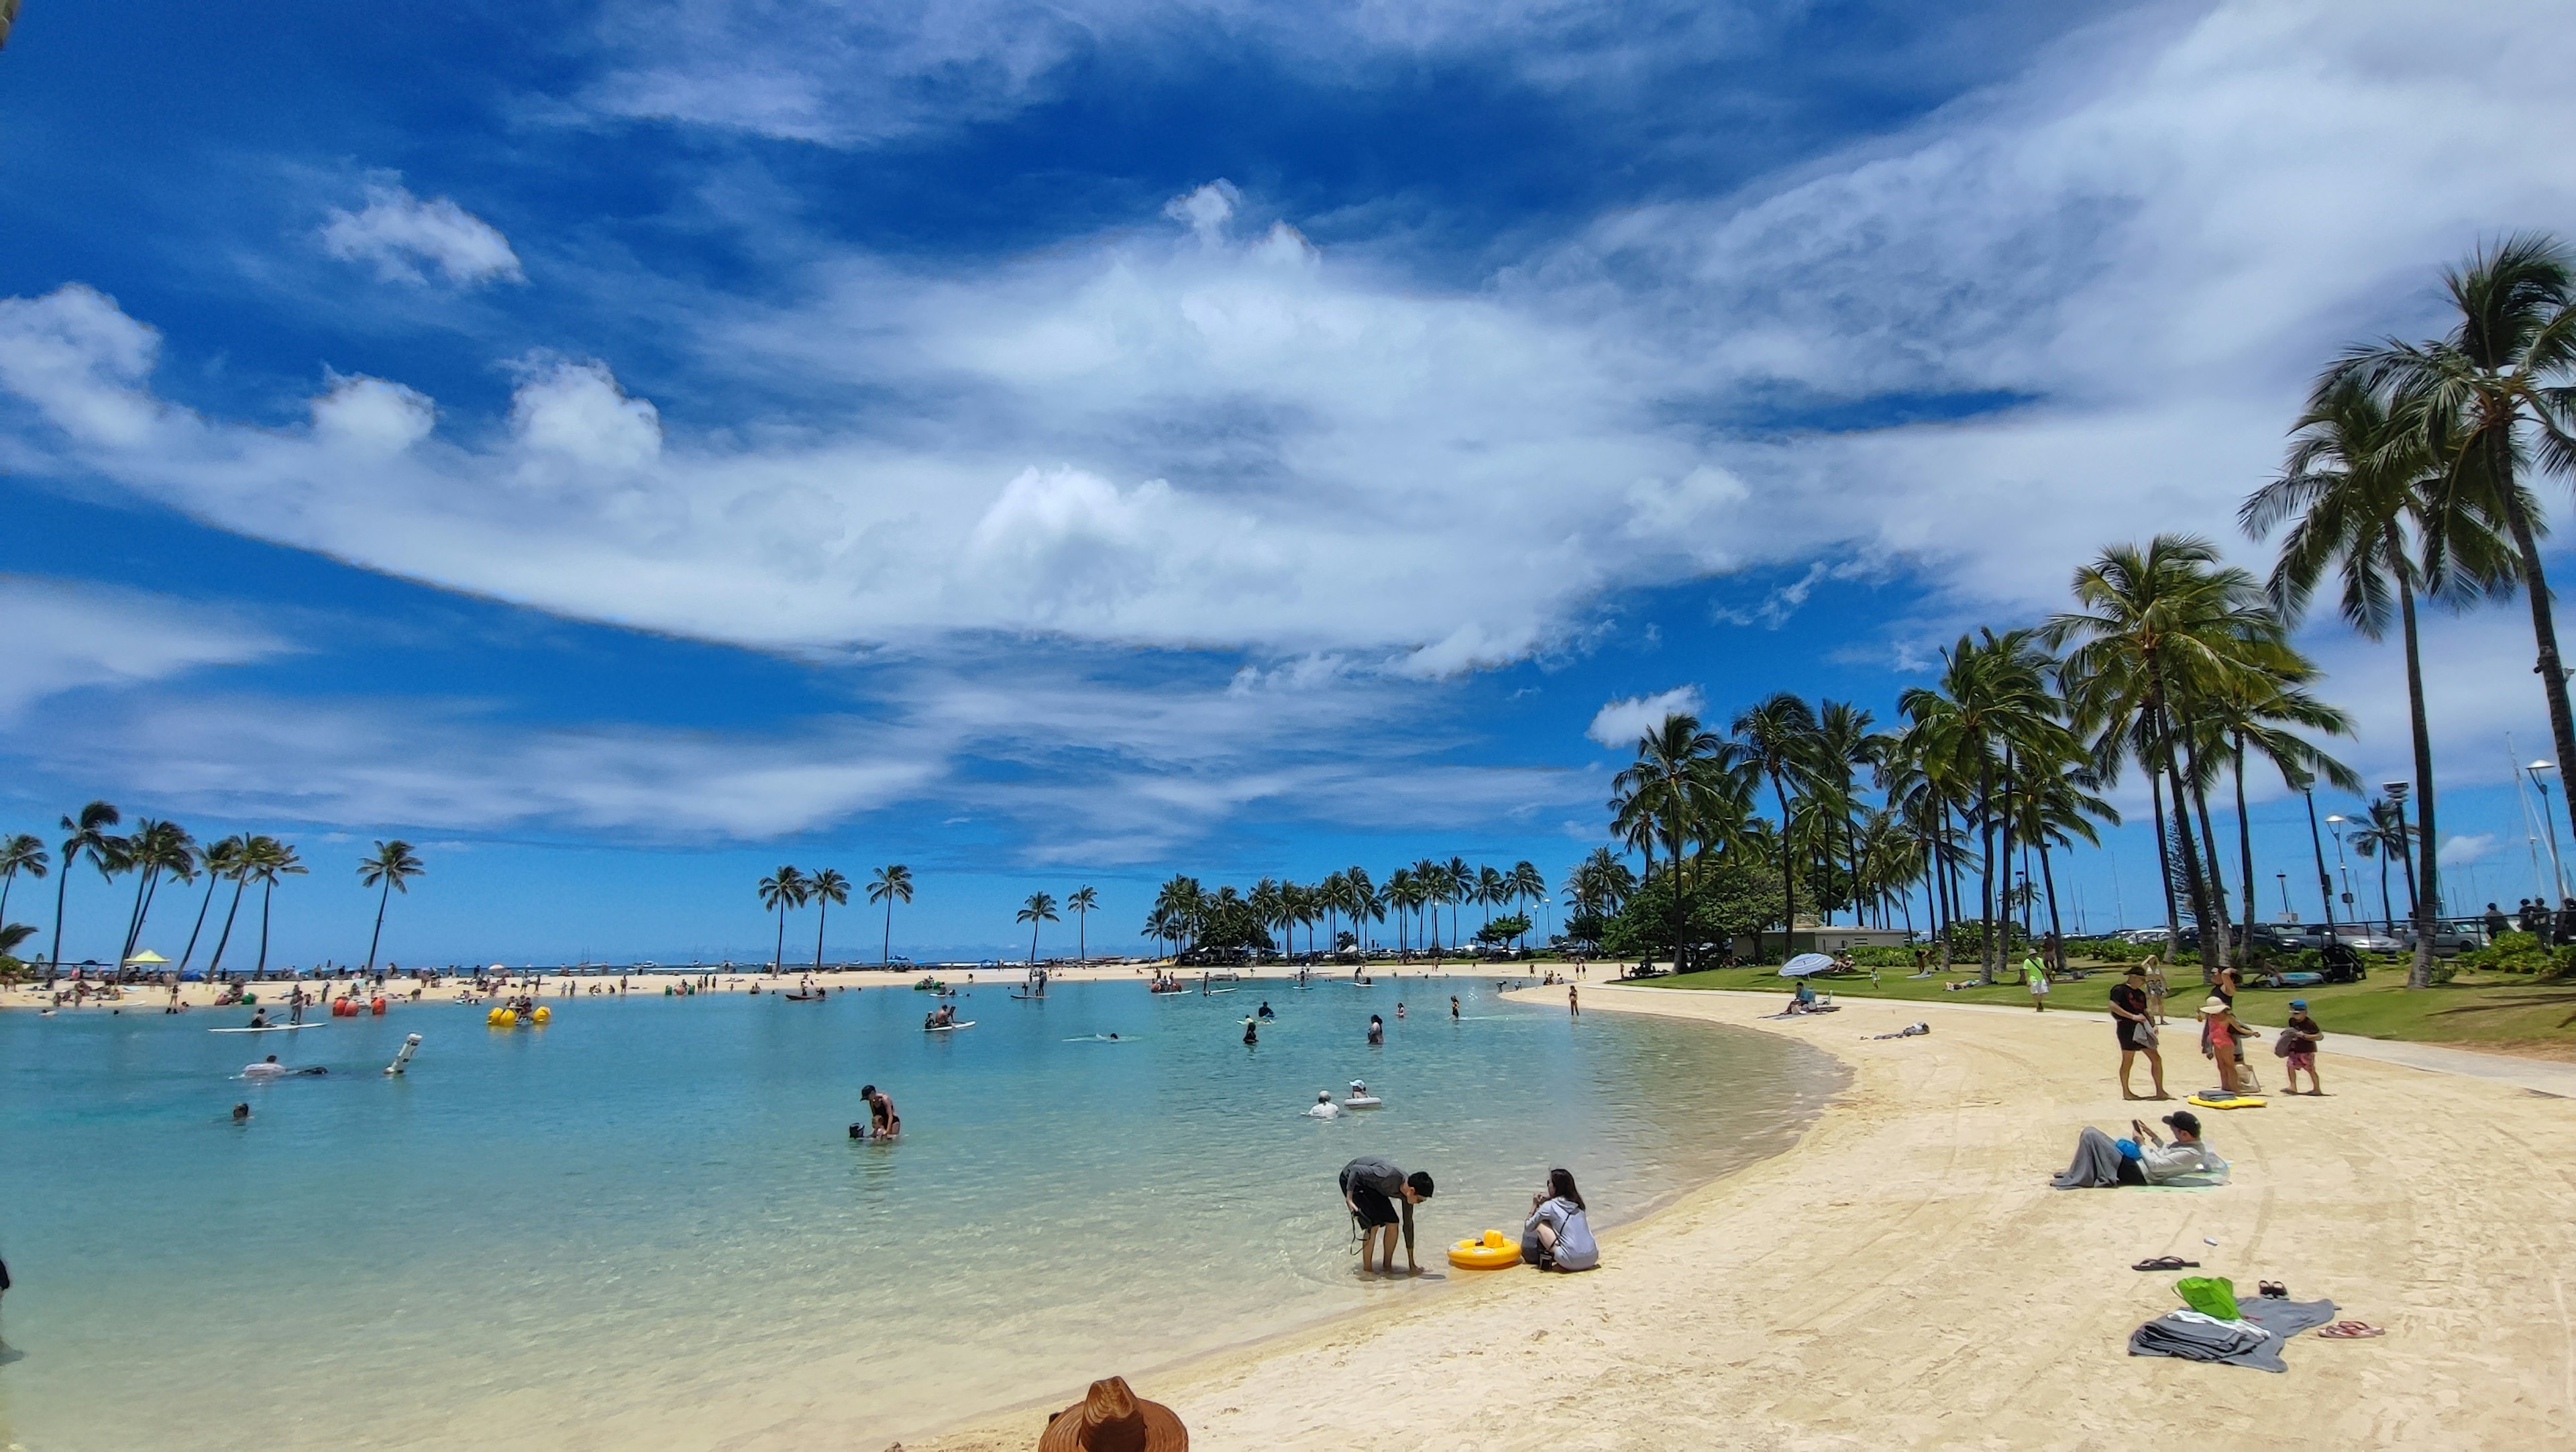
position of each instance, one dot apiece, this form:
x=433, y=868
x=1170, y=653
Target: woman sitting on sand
x=1557, y=1236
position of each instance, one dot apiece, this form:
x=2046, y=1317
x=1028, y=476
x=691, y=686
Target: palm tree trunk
x=217, y=962
x=62, y=885
x=1788, y=889
x=2213, y=945
x=2056, y=928
x=822, y=915
x=2245, y=846
x=779, y=958
x=1986, y=888
x=885, y=950
x=134, y=920
x=2387, y=910
x=2544, y=627
x=267, y=891
x=2419, y=973
x=2164, y=863
x=384, y=894
x=2217, y=869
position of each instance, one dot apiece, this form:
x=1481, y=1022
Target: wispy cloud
x=62, y=635
x=399, y=234
x=1619, y=723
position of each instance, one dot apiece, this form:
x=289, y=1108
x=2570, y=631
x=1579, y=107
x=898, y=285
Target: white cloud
x=371, y=416
x=1180, y=437
x=2460, y=851
x=1620, y=723
x=400, y=234
x=58, y=635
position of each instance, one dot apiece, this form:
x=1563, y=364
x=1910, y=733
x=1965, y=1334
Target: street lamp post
x=2557, y=873
x=2343, y=865
x=2286, y=912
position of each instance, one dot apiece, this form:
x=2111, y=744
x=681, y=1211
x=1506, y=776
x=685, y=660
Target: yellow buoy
x=1493, y=1252
x=542, y=1015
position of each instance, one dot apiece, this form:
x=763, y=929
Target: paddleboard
x=1098, y=1039
x=1213, y=992
x=273, y=1028
x=950, y=1028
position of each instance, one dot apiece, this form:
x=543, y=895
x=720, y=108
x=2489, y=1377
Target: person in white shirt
x=1557, y=1236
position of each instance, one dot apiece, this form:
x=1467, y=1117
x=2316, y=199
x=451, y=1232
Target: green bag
x=2209, y=1295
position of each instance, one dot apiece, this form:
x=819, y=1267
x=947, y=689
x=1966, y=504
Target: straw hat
x=1111, y=1418
x=2216, y=1005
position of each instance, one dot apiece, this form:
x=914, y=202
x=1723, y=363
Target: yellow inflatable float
x=2205, y=1101
x=1492, y=1252
x=509, y=1017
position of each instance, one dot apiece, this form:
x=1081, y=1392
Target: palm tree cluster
x=155, y=852
x=789, y=888
x=1186, y=916
x=2408, y=478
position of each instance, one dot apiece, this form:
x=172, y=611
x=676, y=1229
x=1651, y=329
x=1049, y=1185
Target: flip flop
x=2166, y=1263
x=2275, y=1290
x=2350, y=1331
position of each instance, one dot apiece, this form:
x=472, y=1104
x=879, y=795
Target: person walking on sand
x=2035, y=973
x=1380, y=1197
x=2299, y=1049
x=2136, y=1035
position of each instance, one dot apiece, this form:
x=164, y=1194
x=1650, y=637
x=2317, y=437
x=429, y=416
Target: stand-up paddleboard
x=1213, y=992
x=271, y=1028
x=949, y=1028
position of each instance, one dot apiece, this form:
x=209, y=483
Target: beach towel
x=2255, y=1340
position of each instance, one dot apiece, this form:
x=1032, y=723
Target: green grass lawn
x=2510, y=1014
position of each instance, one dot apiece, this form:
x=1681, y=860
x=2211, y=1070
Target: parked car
x=2138, y=937
x=2352, y=935
x=2449, y=938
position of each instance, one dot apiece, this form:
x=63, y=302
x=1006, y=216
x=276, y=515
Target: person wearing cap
x=1373, y=1188
x=2299, y=1048
x=2136, y=1034
x=2102, y=1162
x=1112, y=1418
x=2035, y=974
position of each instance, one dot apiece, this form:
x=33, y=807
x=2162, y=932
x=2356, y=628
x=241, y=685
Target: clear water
x=645, y=1226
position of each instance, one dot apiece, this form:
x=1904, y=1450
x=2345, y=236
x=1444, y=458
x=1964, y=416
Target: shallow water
x=644, y=1225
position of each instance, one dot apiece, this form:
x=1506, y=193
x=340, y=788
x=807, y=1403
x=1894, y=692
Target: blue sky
x=622, y=447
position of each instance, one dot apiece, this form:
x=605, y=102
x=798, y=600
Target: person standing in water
x=1251, y=1031
x=1573, y=1001
x=1377, y=1029
x=1380, y=1197
x=1453, y=1008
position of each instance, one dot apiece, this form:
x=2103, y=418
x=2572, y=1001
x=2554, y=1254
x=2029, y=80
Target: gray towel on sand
x=2255, y=1341
x=2096, y=1164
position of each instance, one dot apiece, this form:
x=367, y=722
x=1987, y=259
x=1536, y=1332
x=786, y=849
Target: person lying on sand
x=2145, y=1159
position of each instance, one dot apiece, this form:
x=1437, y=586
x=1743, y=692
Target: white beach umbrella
x=1804, y=964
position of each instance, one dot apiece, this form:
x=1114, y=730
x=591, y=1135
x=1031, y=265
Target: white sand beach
x=1905, y=1277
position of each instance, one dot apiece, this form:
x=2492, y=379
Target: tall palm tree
x=389, y=871
x=1363, y=902
x=889, y=885
x=218, y=861
x=1527, y=887
x=244, y=850
x=153, y=848
x=270, y=861
x=2165, y=630
x=779, y=891
x=826, y=888
x=1844, y=746
x=2496, y=391
x=1083, y=902
x=1989, y=722
x=1040, y=908
x=2358, y=484
x=88, y=835
x=2386, y=839
x=1779, y=736
x=1665, y=795
x=24, y=852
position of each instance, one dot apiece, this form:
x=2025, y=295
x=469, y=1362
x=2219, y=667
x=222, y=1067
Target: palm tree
x=153, y=848
x=889, y=885
x=218, y=860
x=1779, y=736
x=269, y=861
x=22, y=853
x=1526, y=887
x=2166, y=631
x=779, y=891
x=2386, y=839
x=2500, y=386
x=1083, y=902
x=1990, y=722
x=1040, y=908
x=1665, y=795
x=1363, y=902
x=1843, y=746
x=89, y=835
x=236, y=865
x=389, y=871
x=827, y=887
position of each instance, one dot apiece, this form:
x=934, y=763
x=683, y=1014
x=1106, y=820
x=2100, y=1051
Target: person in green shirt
x=2035, y=973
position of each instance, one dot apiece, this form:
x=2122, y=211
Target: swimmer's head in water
x=241, y=1112
x=272, y=1058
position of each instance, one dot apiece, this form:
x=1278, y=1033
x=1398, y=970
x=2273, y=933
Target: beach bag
x=2286, y=1045
x=2209, y=1295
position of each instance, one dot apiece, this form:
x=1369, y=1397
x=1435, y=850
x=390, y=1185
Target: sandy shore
x=554, y=986
x=1905, y=1277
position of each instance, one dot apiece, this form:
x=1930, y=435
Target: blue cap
x=2298, y=1003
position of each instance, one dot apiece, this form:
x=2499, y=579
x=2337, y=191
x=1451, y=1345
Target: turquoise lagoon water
x=644, y=1225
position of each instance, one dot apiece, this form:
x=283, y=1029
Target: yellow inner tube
x=1492, y=1252
x=2241, y=1101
